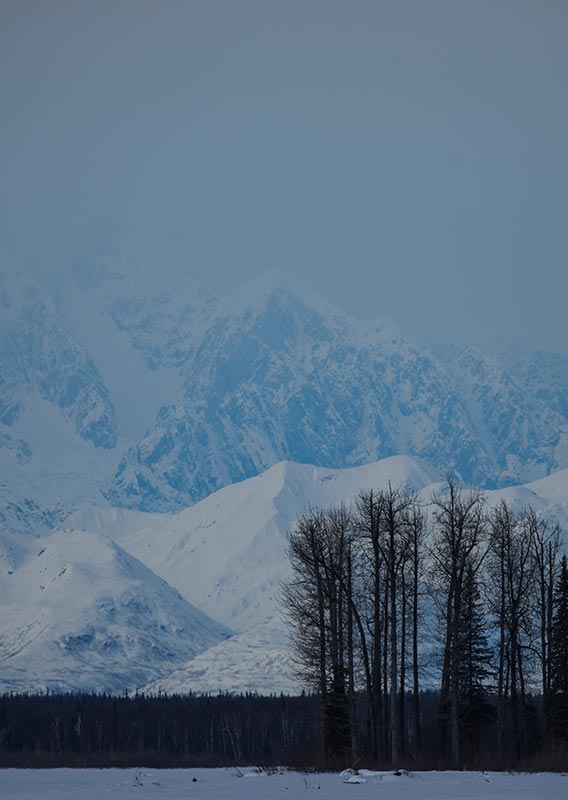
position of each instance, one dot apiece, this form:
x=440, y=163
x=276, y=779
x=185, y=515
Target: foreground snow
x=249, y=783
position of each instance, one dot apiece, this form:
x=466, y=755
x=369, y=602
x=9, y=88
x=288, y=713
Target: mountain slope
x=279, y=376
x=89, y=352
x=257, y=660
x=129, y=380
x=79, y=613
x=227, y=553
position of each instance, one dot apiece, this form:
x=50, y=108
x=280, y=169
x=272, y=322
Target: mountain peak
x=275, y=283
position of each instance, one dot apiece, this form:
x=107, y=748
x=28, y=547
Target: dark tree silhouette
x=559, y=658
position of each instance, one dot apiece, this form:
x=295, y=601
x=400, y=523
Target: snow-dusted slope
x=227, y=553
x=78, y=612
x=256, y=660
x=549, y=495
x=41, y=358
x=516, y=428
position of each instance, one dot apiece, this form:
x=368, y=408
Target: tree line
x=99, y=730
x=387, y=589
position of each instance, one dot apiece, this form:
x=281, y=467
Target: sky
x=404, y=158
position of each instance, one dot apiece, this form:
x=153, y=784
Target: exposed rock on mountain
x=149, y=389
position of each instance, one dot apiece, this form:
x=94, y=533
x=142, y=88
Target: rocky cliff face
x=40, y=358
x=167, y=392
x=281, y=377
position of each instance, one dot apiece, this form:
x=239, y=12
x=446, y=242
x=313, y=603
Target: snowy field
x=233, y=784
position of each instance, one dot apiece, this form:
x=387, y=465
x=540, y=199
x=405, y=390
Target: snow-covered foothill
x=227, y=553
x=256, y=660
x=77, y=612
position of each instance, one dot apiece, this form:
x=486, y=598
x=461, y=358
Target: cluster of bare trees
x=387, y=589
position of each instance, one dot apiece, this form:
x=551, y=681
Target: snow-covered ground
x=233, y=784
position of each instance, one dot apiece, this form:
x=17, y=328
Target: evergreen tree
x=559, y=657
x=475, y=667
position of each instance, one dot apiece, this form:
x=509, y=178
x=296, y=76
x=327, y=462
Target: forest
x=388, y=597
x=428, y=637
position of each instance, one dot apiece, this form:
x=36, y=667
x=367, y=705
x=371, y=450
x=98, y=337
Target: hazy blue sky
x=406, y=159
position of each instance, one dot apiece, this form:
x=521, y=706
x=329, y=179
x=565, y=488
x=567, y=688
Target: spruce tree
x=475, y=667
x=559, y=657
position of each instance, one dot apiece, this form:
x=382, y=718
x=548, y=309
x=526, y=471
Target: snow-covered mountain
x=78, y=383
x=133, y=382
x=41, y=358
x=279, y=375
x=79, y=613
x=110, y=600
x=227, y=555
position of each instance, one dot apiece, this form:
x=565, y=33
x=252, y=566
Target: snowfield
x=233, y=784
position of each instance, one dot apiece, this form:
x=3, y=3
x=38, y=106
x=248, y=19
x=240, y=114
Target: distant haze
x=406, y=159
